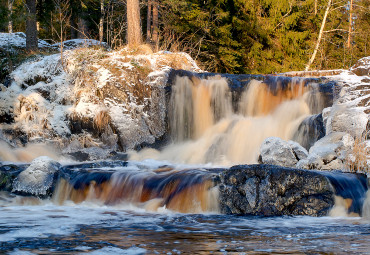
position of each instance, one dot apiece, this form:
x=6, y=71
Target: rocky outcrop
x=270, y=190
x=38, y=179
x=362, y=67
x=329, y=152
x=276, y=151
x=342, y=118
x=111, y=100
x=245, y=189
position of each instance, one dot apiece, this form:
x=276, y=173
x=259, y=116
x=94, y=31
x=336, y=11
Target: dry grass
x=142, y=49
x=357, y=160
x=102, y=120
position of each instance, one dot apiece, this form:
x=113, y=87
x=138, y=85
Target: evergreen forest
x=233, y=36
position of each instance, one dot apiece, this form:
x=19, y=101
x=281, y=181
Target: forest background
x=233, y=36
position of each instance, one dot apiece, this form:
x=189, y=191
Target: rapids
x=167, y=201
x=206, y=126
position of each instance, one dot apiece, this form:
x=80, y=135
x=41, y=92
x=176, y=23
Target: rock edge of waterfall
x=264, y=190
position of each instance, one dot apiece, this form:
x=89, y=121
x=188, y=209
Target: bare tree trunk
x=350, y=25
x=61, y=35
x=320, y=36
x=315, y=7
x=133, y=23
x=101, y=23
x=10, y=22
x=155, y=23
x=82, y=28
x=149, y=21
x=31, y=27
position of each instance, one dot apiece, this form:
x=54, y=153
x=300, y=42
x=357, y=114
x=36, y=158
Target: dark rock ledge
x=264, y=190
x=270, y=190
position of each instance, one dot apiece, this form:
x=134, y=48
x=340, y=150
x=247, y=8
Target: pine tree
x=31, y=27
x=133, y=23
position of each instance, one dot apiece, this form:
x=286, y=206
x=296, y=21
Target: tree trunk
x=10, y=22
x=82, y=28
x=155, y=23
x=149, y=21
x=61, y=35
x=133, y=23
x=101, y=23
x=315, y=7
x=350, y=25
x=320, y=36
x=73, y=24
x=31, y=27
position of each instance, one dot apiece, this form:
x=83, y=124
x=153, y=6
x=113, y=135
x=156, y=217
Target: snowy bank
x=112, y=100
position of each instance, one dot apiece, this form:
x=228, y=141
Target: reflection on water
x=50, y=229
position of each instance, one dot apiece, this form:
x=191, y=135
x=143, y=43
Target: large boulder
x=38, y=179
x=329, y=153
x=345, y=119
x=276, y=151
x=271, y=190
x=362, y=67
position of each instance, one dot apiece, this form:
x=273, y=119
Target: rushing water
x=159, y=208
x=207, y=126
x=51, y=229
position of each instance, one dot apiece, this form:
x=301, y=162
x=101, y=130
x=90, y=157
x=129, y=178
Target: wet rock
x=362, y=67
x=38, y=179
x=114, y=155
x=78, y=156
x=8, y=173
x=271, y=190
x=309, y=131
x=276, y=151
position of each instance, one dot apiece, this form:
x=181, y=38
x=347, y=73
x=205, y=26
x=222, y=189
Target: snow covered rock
x=275, y=151
x=341, y=118
x=362, y=67
x=38, y=179
x=328, y=153
x=332, y=144
x=80, y=43
x=299, y=151
x=12, y=41
x=112, y=100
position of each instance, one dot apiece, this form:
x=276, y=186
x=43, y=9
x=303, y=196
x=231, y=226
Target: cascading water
x=187, y=191
x=206, y=128
x=26, y=154
x=104, y=205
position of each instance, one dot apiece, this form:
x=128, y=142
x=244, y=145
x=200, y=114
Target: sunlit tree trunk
x=31, y=27
x=101, y=23
x=319, y=38
x=149, y=21
x=133, y=23
x=155, y=23
x=350, y=25
x=315, y=7
x=10, y=22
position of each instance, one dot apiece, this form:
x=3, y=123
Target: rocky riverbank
x=264, y=190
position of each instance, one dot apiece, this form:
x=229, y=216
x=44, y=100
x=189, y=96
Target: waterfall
x=186, y=191
x=204, y=127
